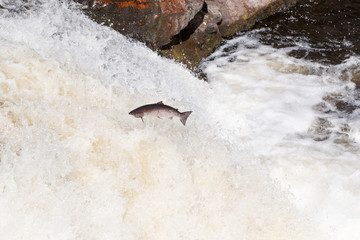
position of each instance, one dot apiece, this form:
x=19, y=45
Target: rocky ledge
x=186, y=30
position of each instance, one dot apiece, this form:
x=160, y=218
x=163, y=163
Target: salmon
x=159, y=110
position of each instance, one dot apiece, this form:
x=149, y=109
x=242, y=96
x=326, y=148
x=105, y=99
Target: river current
x=271, y=150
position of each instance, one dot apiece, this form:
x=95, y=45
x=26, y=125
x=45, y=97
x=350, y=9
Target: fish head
x=136, y=114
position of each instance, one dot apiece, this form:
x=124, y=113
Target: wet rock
x=320, y=129
x=240, y=15
x=154, y=22
x=356, y=77
x=196, y=41
x=186, y=30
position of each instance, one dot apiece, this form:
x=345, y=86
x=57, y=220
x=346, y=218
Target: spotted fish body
x=159, y=110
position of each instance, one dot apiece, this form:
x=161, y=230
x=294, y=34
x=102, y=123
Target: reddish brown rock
x=151, y=21
x=186, y=30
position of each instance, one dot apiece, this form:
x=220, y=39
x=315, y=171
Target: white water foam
x=75, y=165
x=283, y=105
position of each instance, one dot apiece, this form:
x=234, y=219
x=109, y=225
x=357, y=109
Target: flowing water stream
x=271, y=150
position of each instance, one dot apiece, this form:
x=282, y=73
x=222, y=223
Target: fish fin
x=142, y=120
x=184, y=117
x=161, y=103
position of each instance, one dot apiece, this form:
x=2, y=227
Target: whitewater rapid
x=249, y=164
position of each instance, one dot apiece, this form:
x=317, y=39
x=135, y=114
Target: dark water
x=323, y=31
x=328, y=31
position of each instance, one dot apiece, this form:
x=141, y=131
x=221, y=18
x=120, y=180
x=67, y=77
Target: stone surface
x=239, y=15
x=198, y=40
x=151, y=21
x=186, y=30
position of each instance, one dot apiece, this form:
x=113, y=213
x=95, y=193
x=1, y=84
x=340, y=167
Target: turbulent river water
x=271, y=150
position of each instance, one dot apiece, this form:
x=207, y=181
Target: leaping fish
x=159, y=110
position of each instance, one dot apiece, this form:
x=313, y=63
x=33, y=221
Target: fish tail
x=184, y=116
